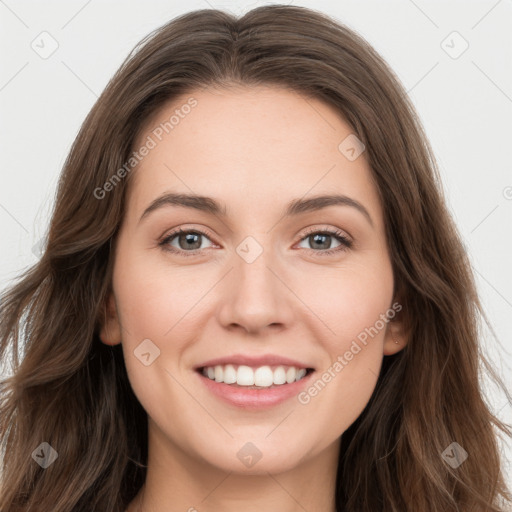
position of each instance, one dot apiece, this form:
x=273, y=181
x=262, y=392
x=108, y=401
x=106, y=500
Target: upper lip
x=254, y=361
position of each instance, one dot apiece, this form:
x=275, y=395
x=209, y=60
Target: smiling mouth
x=262, y=377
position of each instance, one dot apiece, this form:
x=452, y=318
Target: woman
x=183, y=342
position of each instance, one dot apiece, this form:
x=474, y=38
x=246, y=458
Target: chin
x=253, y=457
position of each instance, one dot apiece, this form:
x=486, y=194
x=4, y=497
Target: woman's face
x=268, y=286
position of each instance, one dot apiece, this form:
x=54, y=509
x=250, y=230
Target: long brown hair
x=68, y=389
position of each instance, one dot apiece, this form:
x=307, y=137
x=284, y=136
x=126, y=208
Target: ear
x=110, y=330
x=396, y=337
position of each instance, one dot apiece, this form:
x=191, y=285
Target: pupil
x=190, y=240
x=315, y=237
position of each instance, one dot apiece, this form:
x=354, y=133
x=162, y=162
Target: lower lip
x=255, y=398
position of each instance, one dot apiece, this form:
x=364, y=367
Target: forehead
x=246, y=146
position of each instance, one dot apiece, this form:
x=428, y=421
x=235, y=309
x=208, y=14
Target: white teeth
x=279, y=375
x=245, y=376
x=263, y=376
x=290, y=374
x=219, y=374
x=229, y=374
x=300, y=374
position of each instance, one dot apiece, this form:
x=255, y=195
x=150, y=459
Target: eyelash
x=338, y=234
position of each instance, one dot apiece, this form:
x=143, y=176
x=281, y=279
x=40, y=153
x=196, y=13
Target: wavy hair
x=65, y=387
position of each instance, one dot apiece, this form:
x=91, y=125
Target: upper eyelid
x=329, y=230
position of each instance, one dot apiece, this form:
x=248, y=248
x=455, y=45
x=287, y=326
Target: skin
x=254, y=150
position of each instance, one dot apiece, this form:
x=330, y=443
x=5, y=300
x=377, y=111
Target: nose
x=256, y=296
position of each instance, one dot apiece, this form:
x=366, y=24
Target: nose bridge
x=255, y=297
x=254, y=257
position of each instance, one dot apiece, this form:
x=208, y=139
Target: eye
x=189, y=241
x=323, y=238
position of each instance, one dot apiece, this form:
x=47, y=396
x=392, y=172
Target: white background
x=465, y=104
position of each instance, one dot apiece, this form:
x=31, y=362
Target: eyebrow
x=293, y=208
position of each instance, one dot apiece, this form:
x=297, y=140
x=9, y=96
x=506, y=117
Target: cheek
x=350, y=302
x=153, y=305
x=353, y=308
x=150, y=305
x=151, y=299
